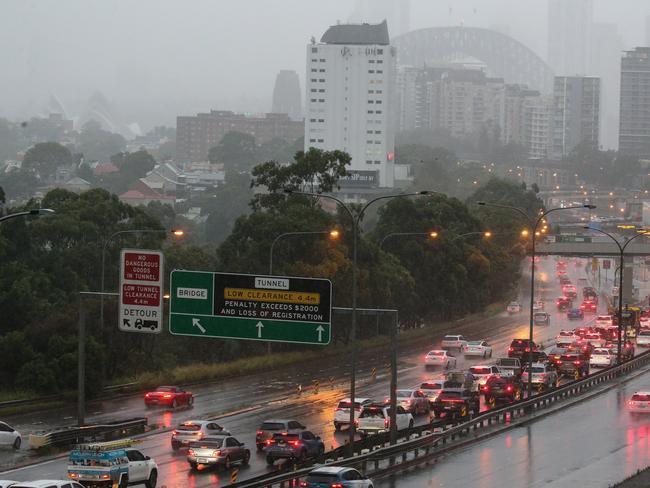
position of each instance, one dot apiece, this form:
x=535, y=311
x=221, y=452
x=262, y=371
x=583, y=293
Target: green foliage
x=46, y=157
x=225, y=205
x=97, y=144
x=236, y=150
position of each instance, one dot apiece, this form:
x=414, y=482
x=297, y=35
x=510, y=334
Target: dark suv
x=271, y=427
x=456, y=402
x=502, y=388
x=573, y=363
x=519, y=347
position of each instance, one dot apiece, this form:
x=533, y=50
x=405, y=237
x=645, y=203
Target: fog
x=154, y=59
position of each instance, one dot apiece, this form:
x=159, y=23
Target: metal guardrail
x=90, y=433
x=417, y=447
x=25, y=401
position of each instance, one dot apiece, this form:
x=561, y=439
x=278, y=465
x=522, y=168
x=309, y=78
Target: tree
x=236, y=150
x=96, y=144
x=46, y=157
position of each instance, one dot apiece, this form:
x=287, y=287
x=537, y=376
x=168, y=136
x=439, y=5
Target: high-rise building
x=570, y=26
x=286, y=95
x=538, y=115
x=634, y=132
x=576, y=112
x=647, y=30
x=195, y=135
x=349, y=82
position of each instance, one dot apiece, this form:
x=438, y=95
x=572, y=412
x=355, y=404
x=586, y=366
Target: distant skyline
x=155, y=59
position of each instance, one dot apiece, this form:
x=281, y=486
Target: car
x=604, y=321
x=114, y=462
x=270, y=427
x=639, y=402
x=566, y=337
x=555, y=354
x=518, y=347
x=432, y=388
x=171, y=396
x=458, y=379
x=10, y=436
x=572, y=363
x=569, y=291
x=581, y=331
x=44, y=484
x=342, y=412
x=478, y=348
x=601, y=357
x=575, y=314
x=439, y=357
x=543, y=375
x=588, y=290
x=217, y=450
x=375, y=418
x=541, y=318
x=644, y=322
x=456, y=402
x=482, y=372
x=643, y=338
x=561, y=272
x=626, y=354
x=413, y=401
x=581, y=346
x=513, y=307
x=452, y=341
x=565, y=280
x=342, y=477
x=563, y=303
x=538, y=305
x=193, y=430
x=595, y=339
x=590, y=307
x=8, y=483
x=502, y=388
x=297, y=446
x=509, y=366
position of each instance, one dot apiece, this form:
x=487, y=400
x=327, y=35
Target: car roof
x=538, y=365
x=356, y=399
x=330, y=470
x=278, y=421
x=437, y=350
x=5, y=483
x=40, y=483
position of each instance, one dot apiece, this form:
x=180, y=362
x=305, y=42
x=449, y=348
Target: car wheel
x=124, y=481
x=17, y=442
x=269, y=460
x=153, y=479
x=174, y=404
x=227, y=463
x=247, y=458
x=194, y=466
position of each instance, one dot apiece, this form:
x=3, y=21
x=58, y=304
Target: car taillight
x=260, y=432
x=174, y=432
x=190, y=452
x=304, y=483
x=216, y=453
x=386, y=422
x=510, y=349
x=168, y=395
x=200, y=434
x=147, y=395
x=630, y=403
x=269, y=442
x=336, y=485
x=485, y=387
x=577, y=363
x=408, y=402
x=508, y=388
x=527, y=349
x=356, y=421
x=106, y=476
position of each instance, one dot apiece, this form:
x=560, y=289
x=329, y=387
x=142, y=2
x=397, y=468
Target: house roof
x=105, y=168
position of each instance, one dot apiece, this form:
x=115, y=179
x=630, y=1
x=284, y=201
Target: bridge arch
x=504, y=56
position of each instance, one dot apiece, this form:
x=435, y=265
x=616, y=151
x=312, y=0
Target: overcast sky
x=154, y=59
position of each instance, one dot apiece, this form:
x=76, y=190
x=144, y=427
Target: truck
x=511, y=366
x=111, y=464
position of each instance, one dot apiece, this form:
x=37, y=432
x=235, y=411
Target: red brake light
x=190, y=452
x=295, y=443
x=269, y=442
x=260, y=432
x=527, y=349
x=510, y=349
x=216, y=453
x=304, y=483
x=577, y=362
x=386, y=422
x=336, y=485
x=174, y=432
x=508, y=388
x=147, y=395
x=168, y=395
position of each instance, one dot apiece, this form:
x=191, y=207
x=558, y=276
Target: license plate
x=202, y=460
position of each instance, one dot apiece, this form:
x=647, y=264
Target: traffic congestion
x=461, y=375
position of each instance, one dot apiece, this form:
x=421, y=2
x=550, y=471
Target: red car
x=170, y=396
x=588, y=306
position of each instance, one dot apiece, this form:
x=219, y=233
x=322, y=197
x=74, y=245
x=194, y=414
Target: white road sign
x=141, y=291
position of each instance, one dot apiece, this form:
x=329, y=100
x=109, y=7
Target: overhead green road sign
x=253, y=307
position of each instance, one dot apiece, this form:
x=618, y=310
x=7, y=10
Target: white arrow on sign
x=320, y=329
x=259, y=326
x=196, y=323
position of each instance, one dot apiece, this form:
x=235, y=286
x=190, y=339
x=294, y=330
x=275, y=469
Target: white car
x=336, y=476
x=538, y=306
x=453, y=342
x=376, y=418
x=640, y=402
x=604, y=321
x=481, y=374
x=194, y=430
x=601, y=357
x=478, y=348
x=342, y=412
x=513, y=307
x=595, y=339
x=46, y=484
x=566, y=337
x=7, y=483
x=432, y=388
x=439, y=358
x=9, y=436
x=643, y=338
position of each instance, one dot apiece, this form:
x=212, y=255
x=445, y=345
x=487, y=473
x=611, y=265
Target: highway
x=266, y=397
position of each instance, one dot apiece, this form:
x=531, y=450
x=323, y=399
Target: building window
x=321, y=120
x=321, y=140
x=322, y=90
x=377, y=132
x=377, y=101
x=322, y=60
x=377, y=161
x=371, y=91
x=371, y=71
x=321, y=99
x=371, y=60
x=371, y=111
x=371, y=101
x=314, y=60
x=312, y=140
x=314, y=49
x=322, y=70
x=379, y=71
x=314, y=70
x=314, y=80
x=377, y=142
x=380, y=61
x=368, y=161
x=368, y=142
x=369, y=132
x=313, y=90
x=312, y=120
x=322, y=80
x=380, y=51
x=378, y=112
x=379, y=91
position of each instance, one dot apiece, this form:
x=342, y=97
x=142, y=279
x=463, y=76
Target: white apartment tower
x=349, y=103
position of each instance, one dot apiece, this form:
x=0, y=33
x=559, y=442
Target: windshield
x=189, y=427
x=207, y=443
x=436, y=353
x=372, y=413
x=272, y=426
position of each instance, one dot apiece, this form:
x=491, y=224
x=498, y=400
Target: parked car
x=575, y=314
x=601, y=358
x=513, y=307
x=543, y=375
x=342, y=477
x=171, y=396
x=441, y=358
x=194, y=430
x=298, y=446
x=376, y=418
x=342, y=412
x=541, y=318
x=220, y=450
x=270, y=427
x=453, y=342
x=639, y=402
x=9, y=436
x=478, y=348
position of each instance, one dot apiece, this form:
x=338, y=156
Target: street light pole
x=353, y=331
x=36, y=211
x=534, y=224
x=621, y=249
x=332, y=233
